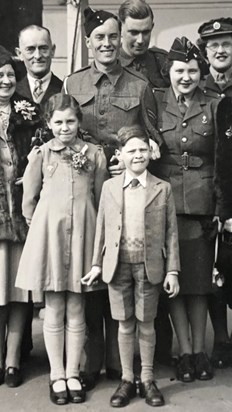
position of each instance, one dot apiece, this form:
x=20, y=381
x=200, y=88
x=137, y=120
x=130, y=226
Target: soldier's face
x=104, y=42
x=185, y=77
x=219, y=53
x=36, y=51
x=136, y=35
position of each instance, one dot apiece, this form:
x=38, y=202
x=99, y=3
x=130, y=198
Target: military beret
x=216, y=27
x=95, y=18
x=183, y=50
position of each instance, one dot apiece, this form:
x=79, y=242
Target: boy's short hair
x=129, y=132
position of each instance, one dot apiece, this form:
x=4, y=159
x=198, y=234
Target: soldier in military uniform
x=186, y=119
x=110, y=97
x=137, y=22
x=216, y=42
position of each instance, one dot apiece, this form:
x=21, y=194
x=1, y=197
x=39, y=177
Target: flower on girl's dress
x=25, y=108
x=81, y=161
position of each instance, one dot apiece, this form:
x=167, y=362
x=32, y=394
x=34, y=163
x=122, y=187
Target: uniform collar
x=214, y=73
x=56, y=146
x=113, y=75
x=141, y=178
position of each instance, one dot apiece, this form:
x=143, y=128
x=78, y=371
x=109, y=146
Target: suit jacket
x=161, y=239
x=54, y=87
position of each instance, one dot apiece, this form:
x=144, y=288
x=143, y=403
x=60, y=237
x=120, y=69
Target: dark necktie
x=182, y=104
x=134, y=182
x=38, y=88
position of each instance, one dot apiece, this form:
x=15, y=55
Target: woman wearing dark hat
x=18, y=122
x=186, y=124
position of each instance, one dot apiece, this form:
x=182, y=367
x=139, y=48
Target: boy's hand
x=90, y=277
x=171, y=285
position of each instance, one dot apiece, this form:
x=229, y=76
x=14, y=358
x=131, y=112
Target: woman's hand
x=171, y=285
x=92, y=276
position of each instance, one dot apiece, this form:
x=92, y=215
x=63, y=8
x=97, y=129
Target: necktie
x=134, y=182
x=38, y=88
x=221, y=80
x=182, y=104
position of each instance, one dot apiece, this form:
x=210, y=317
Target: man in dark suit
x=36, y=51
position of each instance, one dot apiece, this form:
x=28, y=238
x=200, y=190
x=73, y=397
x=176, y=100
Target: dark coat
x=54, y=86
x=223, y=179
x=19, y=134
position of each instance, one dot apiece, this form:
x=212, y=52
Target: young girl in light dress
x=62, y=185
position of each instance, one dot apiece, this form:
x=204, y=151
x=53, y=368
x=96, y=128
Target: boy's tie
x=182, y=104
x=38, y=90
x=134, y=182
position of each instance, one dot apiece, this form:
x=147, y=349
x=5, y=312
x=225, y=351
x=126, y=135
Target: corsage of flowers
x=25, y=108
x=81, y=161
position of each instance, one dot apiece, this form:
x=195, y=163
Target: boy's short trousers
x=131, y=293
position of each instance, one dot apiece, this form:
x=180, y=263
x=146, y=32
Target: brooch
x=204, y=119
x=228, y=132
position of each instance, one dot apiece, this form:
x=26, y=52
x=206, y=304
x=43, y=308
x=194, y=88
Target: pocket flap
x=125, y=103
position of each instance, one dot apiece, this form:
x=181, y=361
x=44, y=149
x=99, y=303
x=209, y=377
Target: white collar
x=45, y=82
x=141, y=178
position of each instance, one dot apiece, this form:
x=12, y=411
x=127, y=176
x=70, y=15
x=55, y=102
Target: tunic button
x=9, y=163
x=184, y=139
x=184, y=124
x=126, y=106
x=223, y=95
x=106, y=84
x=205, y=134
x=101, y=112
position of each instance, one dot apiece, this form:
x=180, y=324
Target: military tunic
x=211, y=88
x=187, y=162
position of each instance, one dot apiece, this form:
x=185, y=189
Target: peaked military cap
x=216, y=27
x=95, y=18
x=183, y=50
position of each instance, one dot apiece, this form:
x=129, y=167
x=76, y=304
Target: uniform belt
x=227, y=237
x=186, y=160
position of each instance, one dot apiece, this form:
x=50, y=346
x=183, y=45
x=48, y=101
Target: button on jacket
x=187, y=154
x=211, y=88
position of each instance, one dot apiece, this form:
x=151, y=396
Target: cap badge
x=216, y=25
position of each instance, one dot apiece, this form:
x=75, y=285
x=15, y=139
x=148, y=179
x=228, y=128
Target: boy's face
x=136, y=155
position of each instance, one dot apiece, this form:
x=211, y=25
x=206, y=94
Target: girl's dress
x=62, y=197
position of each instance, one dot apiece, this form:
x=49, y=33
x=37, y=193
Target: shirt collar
x=55, y=145
x=112, y=75
x=45, y=81
x=126, y=60
x=141, y=178
x=228, y=74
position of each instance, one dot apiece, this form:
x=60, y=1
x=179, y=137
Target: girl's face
x=7, y=83
x=185, y=77
x=64, y=125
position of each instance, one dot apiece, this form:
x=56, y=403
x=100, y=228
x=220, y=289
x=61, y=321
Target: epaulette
x=82, y=69
x=135, y=73
x=157, y=50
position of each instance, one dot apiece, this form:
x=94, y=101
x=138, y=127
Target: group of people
x=118, y=215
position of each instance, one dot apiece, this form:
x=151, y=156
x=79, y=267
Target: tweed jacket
x=54, y=86
x=187, y=153
x=161, y=252
x=19, y=133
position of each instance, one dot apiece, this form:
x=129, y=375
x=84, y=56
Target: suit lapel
x=153, y=188
x=116, y=189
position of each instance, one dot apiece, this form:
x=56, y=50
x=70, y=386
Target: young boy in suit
x=136, y=249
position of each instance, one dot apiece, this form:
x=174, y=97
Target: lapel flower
x=25, y=109
x=81, y=161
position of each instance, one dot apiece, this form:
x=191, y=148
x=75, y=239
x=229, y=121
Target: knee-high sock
x=54, y=343
x=146, y=335
x=126, y=341
x=74, y=343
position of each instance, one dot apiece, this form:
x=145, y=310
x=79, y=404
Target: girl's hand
x=90, y=277
x=155, y=151
x=171, y=285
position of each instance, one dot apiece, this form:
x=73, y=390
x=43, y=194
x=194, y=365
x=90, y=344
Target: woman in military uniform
x=186, y=124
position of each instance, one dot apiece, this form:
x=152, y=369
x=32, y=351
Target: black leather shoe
x=123, y=394
x=58, y=398
x=76, y=395
x=151, y=393
x=113, y=374
x=203, y=367
x=13, y=377
x=185, y=370
x=89, y=381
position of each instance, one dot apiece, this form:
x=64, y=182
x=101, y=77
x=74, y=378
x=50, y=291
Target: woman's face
x=185, y=77
x=7, y=83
